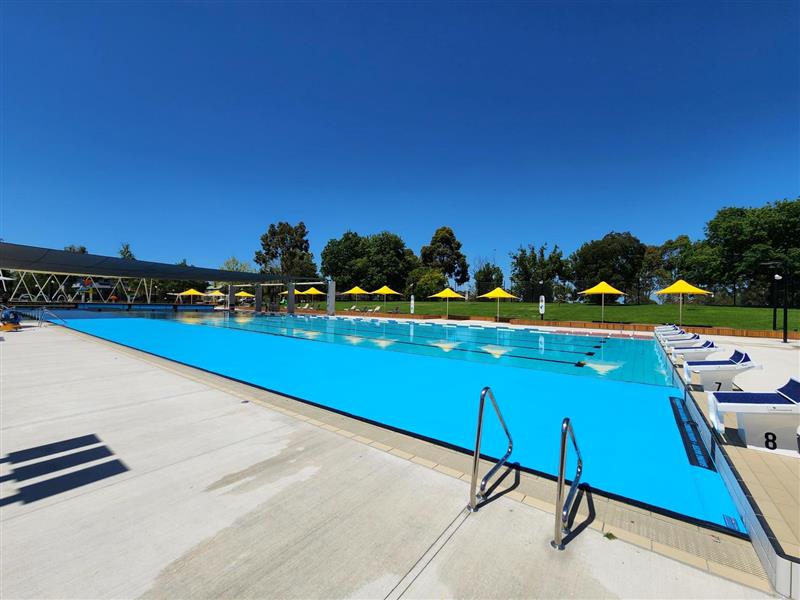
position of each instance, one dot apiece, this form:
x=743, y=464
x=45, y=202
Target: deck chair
x=718, y=375
x=693, y=340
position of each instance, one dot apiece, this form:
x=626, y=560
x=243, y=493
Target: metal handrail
x=477, y=496
x=44, y=310
x=562, y=519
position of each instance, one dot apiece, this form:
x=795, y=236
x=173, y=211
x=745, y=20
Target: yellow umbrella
x=355, y=291
x=602, y=288
x=244, y=294
x=496, y=294
x=214, y=293
x=386, y=291
x=312, y=291
x=191, y=292
x=447, y=293
x=680, y=287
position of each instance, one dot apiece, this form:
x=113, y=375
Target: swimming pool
x=635, y=436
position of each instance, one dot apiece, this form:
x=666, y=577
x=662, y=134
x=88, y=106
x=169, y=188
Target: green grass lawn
x=717, y=316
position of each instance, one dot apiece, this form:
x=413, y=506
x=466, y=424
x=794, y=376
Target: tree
x=616, y=258
x=234, y=264
x=126, y=252
x=76, y=249
x=387, y=262
x=487, y=277
x=530, y=265
x=444, y=254
x=424, y=282
x=345, y=260
x=285, y=251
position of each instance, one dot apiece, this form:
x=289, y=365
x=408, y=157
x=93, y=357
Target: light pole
x=775, y=281
x=785, y=278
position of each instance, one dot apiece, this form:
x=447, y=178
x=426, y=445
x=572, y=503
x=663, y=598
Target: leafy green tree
x=530, y=265
x=387, y=262
x=285, y=251
x=76, y=249
x=345, y=260
x=444, y=254
x=126, y=252
x=239, y=266
x=424, y=282
x=487, y=277
x=617, y=258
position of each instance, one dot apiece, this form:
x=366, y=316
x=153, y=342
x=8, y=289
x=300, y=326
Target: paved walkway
x=123, y=479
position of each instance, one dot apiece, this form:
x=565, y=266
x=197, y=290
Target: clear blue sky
x=186, y=129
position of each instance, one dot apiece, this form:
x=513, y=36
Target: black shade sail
x=45, y=260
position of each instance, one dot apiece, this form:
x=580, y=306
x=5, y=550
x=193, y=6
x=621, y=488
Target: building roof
x=18, y=257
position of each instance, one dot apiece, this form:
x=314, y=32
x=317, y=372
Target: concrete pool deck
x=221, y=489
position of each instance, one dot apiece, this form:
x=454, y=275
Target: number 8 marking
x=770, y=442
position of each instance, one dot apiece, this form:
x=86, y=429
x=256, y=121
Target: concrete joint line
x=423, y=561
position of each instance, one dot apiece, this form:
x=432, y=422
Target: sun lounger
x=352, y=308
x=666, y=328
x=768, y=420
x=717, y=375
x=674, y=335
x=700, y=352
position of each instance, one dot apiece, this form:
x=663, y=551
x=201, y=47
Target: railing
x=476, y=496
x=43, y=311
x=563, y=510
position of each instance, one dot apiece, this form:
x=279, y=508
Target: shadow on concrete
x=59, y=483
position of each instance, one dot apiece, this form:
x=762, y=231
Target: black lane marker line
x=439, y=338
x=54, y=448
x=410, y=343
x=550, y=360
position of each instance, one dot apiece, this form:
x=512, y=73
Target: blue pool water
x=627, y=416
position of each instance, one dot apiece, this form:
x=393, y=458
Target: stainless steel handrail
x=44, y=310
x=562, y=519
x=477, y=496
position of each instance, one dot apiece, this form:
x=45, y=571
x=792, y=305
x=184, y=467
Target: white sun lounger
x=666, y=328
x=718, y=375
x=700, y=352
x=768, y=420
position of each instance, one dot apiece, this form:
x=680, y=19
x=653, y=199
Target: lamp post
x=775, y=281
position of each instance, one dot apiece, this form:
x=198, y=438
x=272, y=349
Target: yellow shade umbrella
x=190, y=292
x=496, y=294
x=681, y=287
x=355, y=291
x=386, y=291
x=312, y=291
x=214, y=293
x=244, y=294
x=447, y=293
x=602, y=289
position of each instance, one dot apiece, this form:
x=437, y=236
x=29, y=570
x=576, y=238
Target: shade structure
x=190, y=292
x=497, y=293
x=602, y=289
x=355, y=291
x=447, y=293
x=385, y=291
x=244, y=294
x=681, y=287
x=214, y=293
x=312, y=291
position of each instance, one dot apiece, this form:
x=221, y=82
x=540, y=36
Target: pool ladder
x=44, y=311
x=562, y=515
x=477, y=495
